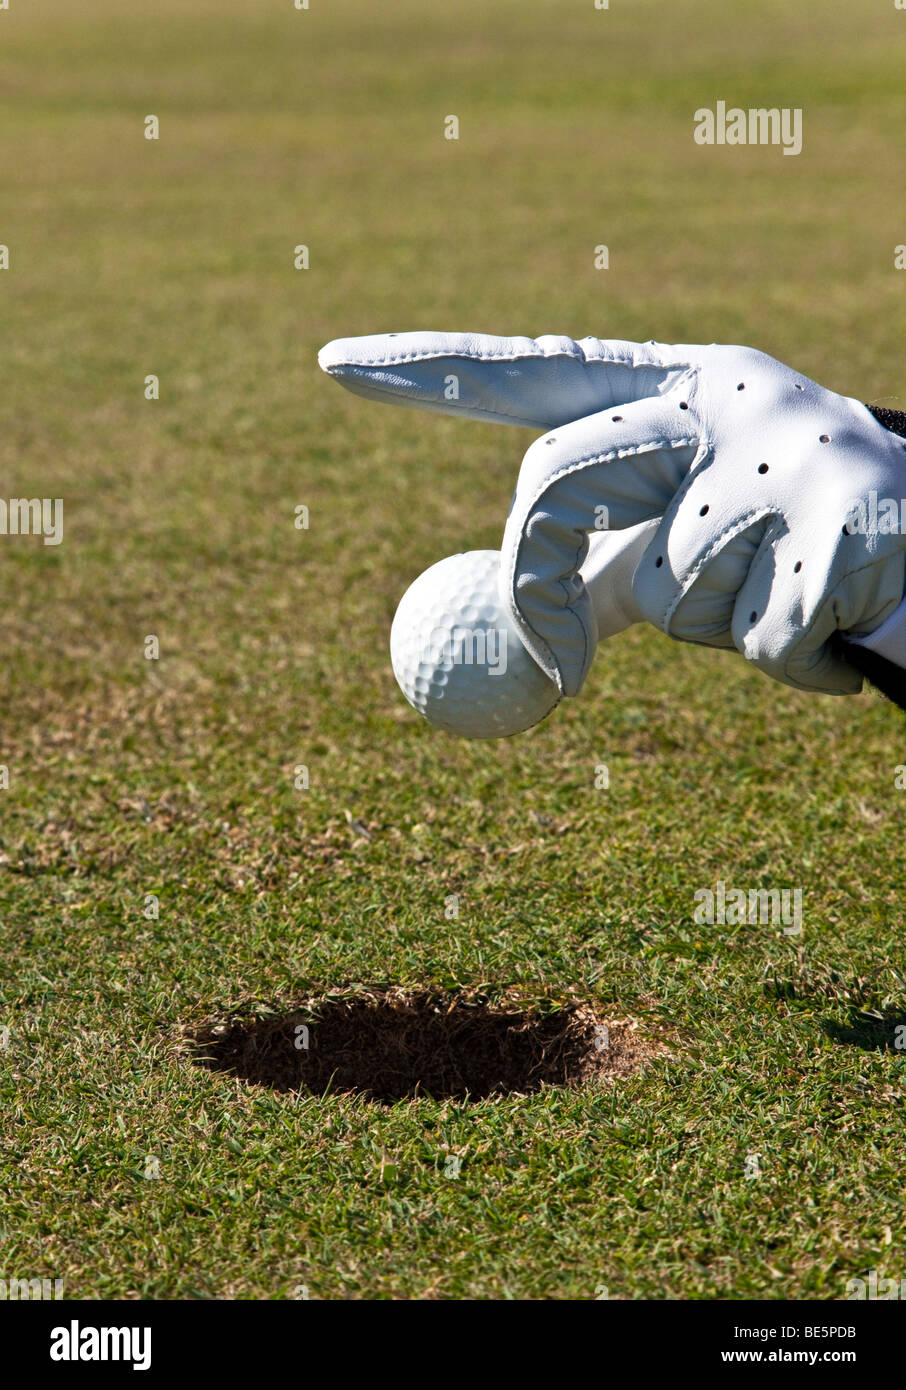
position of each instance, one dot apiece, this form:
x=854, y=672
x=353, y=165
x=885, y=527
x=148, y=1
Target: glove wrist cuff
x=889, y=639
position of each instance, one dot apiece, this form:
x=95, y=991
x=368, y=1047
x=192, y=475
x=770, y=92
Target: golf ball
x=458, y=658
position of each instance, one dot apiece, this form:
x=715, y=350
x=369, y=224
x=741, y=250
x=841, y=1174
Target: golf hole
x=392, y=1045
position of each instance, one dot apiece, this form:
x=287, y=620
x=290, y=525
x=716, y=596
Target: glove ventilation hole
x=658, y=562
x=824, y=438
x=616, y=418
x=741, y=386
x=799, y=386
x=752, y=617
x=797, y=567
x=703, y=511
x=684, y=405
x=551, y=441
x=762, y=468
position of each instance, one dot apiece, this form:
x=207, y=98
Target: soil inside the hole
x=392, y=1045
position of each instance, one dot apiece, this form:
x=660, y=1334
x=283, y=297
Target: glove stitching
x=726, y=535
x=574, y=466
x=627, y=452
x=503, y=357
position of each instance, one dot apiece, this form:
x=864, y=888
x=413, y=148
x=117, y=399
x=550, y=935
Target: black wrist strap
x=883, y=674
x=877, y=670
x=893, y=420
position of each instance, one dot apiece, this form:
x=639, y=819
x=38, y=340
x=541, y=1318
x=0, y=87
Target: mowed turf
x=127, y=1170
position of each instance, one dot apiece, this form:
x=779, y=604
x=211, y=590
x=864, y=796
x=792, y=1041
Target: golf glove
x=761, y=511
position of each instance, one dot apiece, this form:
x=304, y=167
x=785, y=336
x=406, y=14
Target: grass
x=130, y=1172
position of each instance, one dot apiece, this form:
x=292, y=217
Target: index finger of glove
x=540, y=382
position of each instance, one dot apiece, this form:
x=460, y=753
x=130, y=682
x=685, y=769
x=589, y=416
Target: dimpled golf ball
x=458, y=658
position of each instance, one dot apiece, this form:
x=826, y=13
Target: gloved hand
x=760, y=479
x=427, y=374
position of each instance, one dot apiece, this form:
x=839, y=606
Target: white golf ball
x=457, y=656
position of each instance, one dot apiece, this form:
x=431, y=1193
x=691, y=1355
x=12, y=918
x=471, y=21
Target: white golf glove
x=768, y=492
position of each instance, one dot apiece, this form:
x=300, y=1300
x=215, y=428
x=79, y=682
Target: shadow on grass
x=871, y=1032
x=391, y=1045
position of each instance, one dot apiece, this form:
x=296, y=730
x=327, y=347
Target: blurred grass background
x=127, y=777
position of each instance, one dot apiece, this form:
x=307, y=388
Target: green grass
x=129, y=777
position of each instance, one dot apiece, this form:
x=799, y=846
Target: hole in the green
x=391, y=1045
